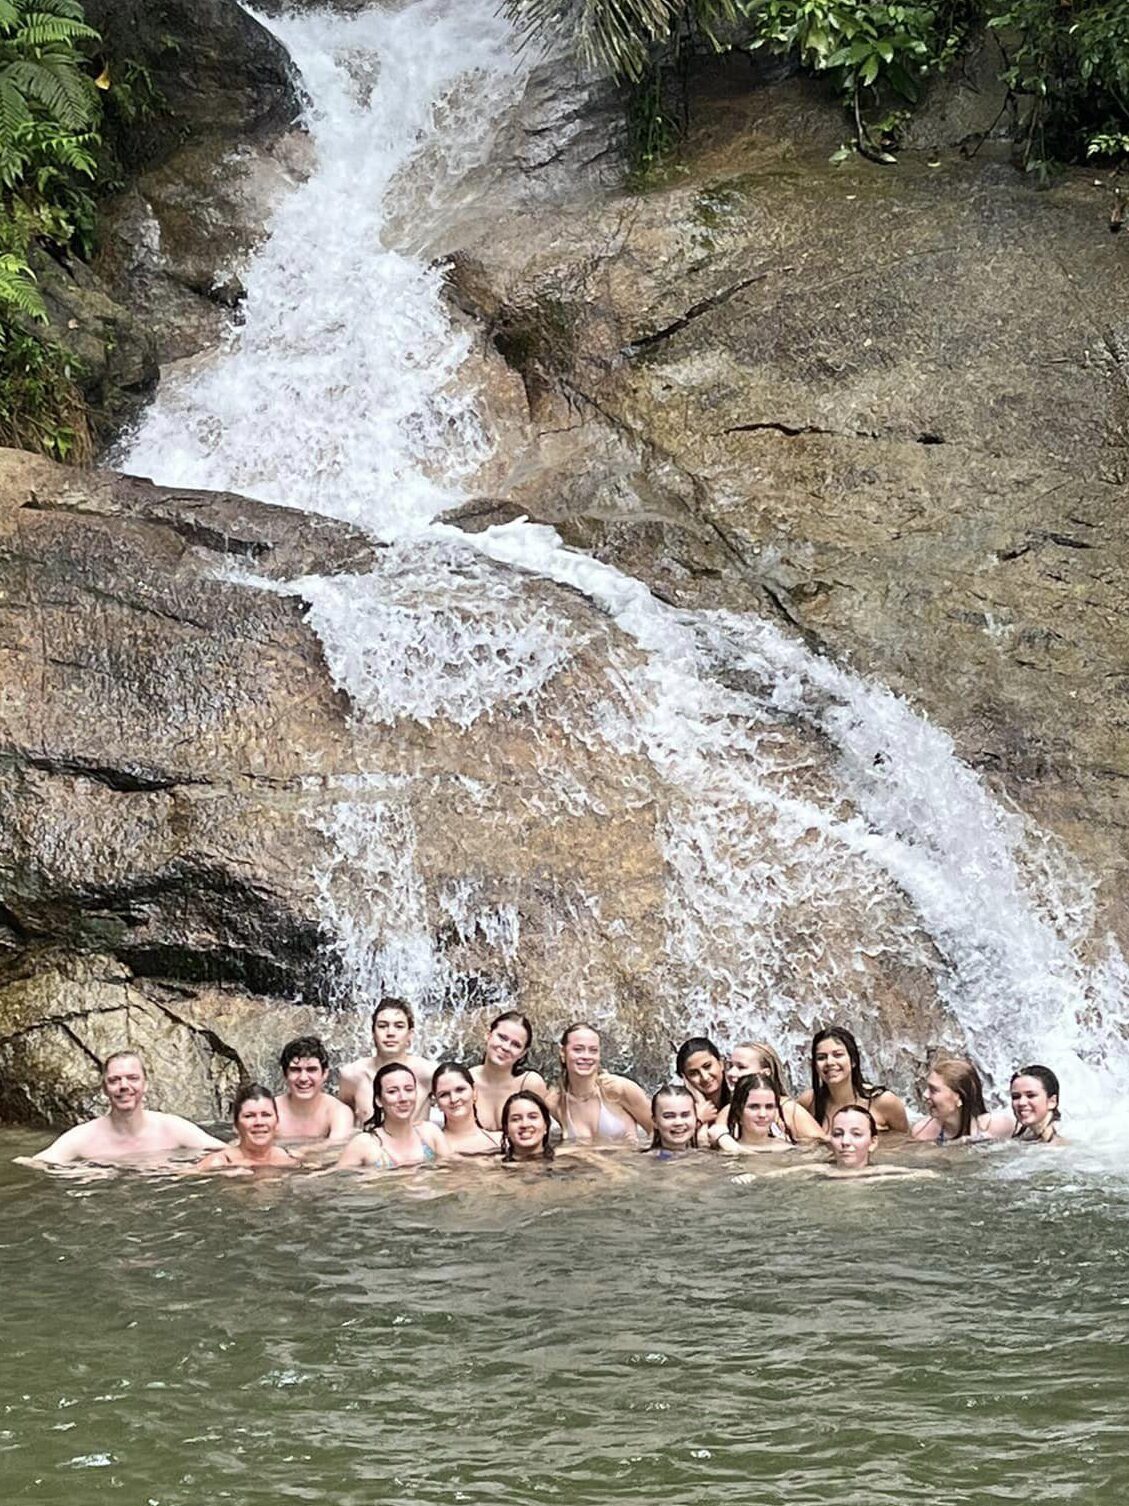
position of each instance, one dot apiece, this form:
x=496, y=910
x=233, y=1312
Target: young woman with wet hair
x=391, y=1139
x=674, y=1113
x=756, y=1118
x=527, y=1128
x=455, y=1095
x=255, y=1118
x=954, y=1096
x=700, y=1065
x=503, y=1068
x=853, y=1138
x=1034, y=1102
x=837, y=1081
x=591, y=1106
x=756, y=1056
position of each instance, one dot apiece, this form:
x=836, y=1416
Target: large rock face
x=887, y=405
x=207, y=844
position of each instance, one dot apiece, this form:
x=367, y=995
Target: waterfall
x=341, y=393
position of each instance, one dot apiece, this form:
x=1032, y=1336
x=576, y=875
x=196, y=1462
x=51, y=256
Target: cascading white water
x=340, y=393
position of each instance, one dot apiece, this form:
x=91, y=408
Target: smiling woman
x=503, y=1070
x=837, y=1081
x=256, y=1123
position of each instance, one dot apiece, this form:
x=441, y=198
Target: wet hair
x=668, y=1090
x=961, y=1077
x=691, y=1048
x=301, y=1047
x=528, y=1096
x=390, y=1003
x=522, y=1063
x=116, y=1056
x=1050, y=1084
x=376, y=1118
x=864, y=1092
x=445, y=1069
x=775, y=1067
x=248, y=1093
x=857, y=1108
x=748, y=1083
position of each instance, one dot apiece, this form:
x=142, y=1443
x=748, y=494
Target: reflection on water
x=657, y=1336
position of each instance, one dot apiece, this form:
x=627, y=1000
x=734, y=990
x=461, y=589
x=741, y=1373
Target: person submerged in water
x=255, y=1117
x=527, y=1128
x=455, y=1095
x=129, y=1131
x=837, y=1080
x=1034, y=1102
x=853, y=1140
x=593, y=1106
x=503, y=1070
x=305, y=1110
x=755, y=1121
x=755, y=1056
x=954, y=1096
x=392, y=1138
x=392, y=1025
x=674, y=1114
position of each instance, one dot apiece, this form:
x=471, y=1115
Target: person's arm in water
x=892, y=1111
x=341, y=1124
x=362, y=1150
x=801, y=1122
x=64, y=1151
x=190, y=1136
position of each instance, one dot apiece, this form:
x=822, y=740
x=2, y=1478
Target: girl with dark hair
x=756, y=1056
x=592, y=1106
x=391, y=1138
x=503, y=1069
x=756, y=1118
x=456, y=1097
x=674, y=1113
x=255, y=1118
x=954, y=1096
x=837, y=1080
x=1034, y=1102
x=527, y=1128
x=699, y=1064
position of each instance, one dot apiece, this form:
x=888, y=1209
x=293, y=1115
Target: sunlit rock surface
x=887, y=405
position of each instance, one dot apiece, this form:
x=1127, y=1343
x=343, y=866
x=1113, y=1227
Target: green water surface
x=652, y=1335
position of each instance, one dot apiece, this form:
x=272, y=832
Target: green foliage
x=42, y=83
x=621, y=36
x=1071, y=63
x=41, y=407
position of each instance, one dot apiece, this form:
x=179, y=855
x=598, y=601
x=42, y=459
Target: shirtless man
x=392, y=1026
x=306, y=1111
x=129, y=1130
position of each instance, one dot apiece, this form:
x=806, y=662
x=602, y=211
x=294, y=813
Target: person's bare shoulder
x=73, y=1145
x=178, y=1133
x=341, y=1124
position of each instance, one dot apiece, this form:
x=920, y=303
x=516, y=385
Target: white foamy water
x=341, y=394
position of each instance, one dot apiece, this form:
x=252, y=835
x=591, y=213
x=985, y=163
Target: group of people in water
x=396, y=1109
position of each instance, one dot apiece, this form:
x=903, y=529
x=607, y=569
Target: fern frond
x=614, y=35
x=17, y=289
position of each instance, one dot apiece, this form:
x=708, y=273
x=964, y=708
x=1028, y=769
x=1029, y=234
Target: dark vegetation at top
x=1065, y=62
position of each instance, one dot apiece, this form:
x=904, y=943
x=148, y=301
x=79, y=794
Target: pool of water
x=644, y=1334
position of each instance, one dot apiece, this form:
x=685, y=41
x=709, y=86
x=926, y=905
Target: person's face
x=124, y=1083
x=391, y=1032
x=305, y=1077
x=398, y=1095
x=257, y=1122
x=704, y=1072
x=581, y=1053
x=742, y=1061
x=760, y=1113
x=675, y=1120
x=940, y=1099
x=832, y=1062
x=506, y=1043
x=1030, y=1101
x=852, y=1141
x=526, y=1127
x=454, y=1097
